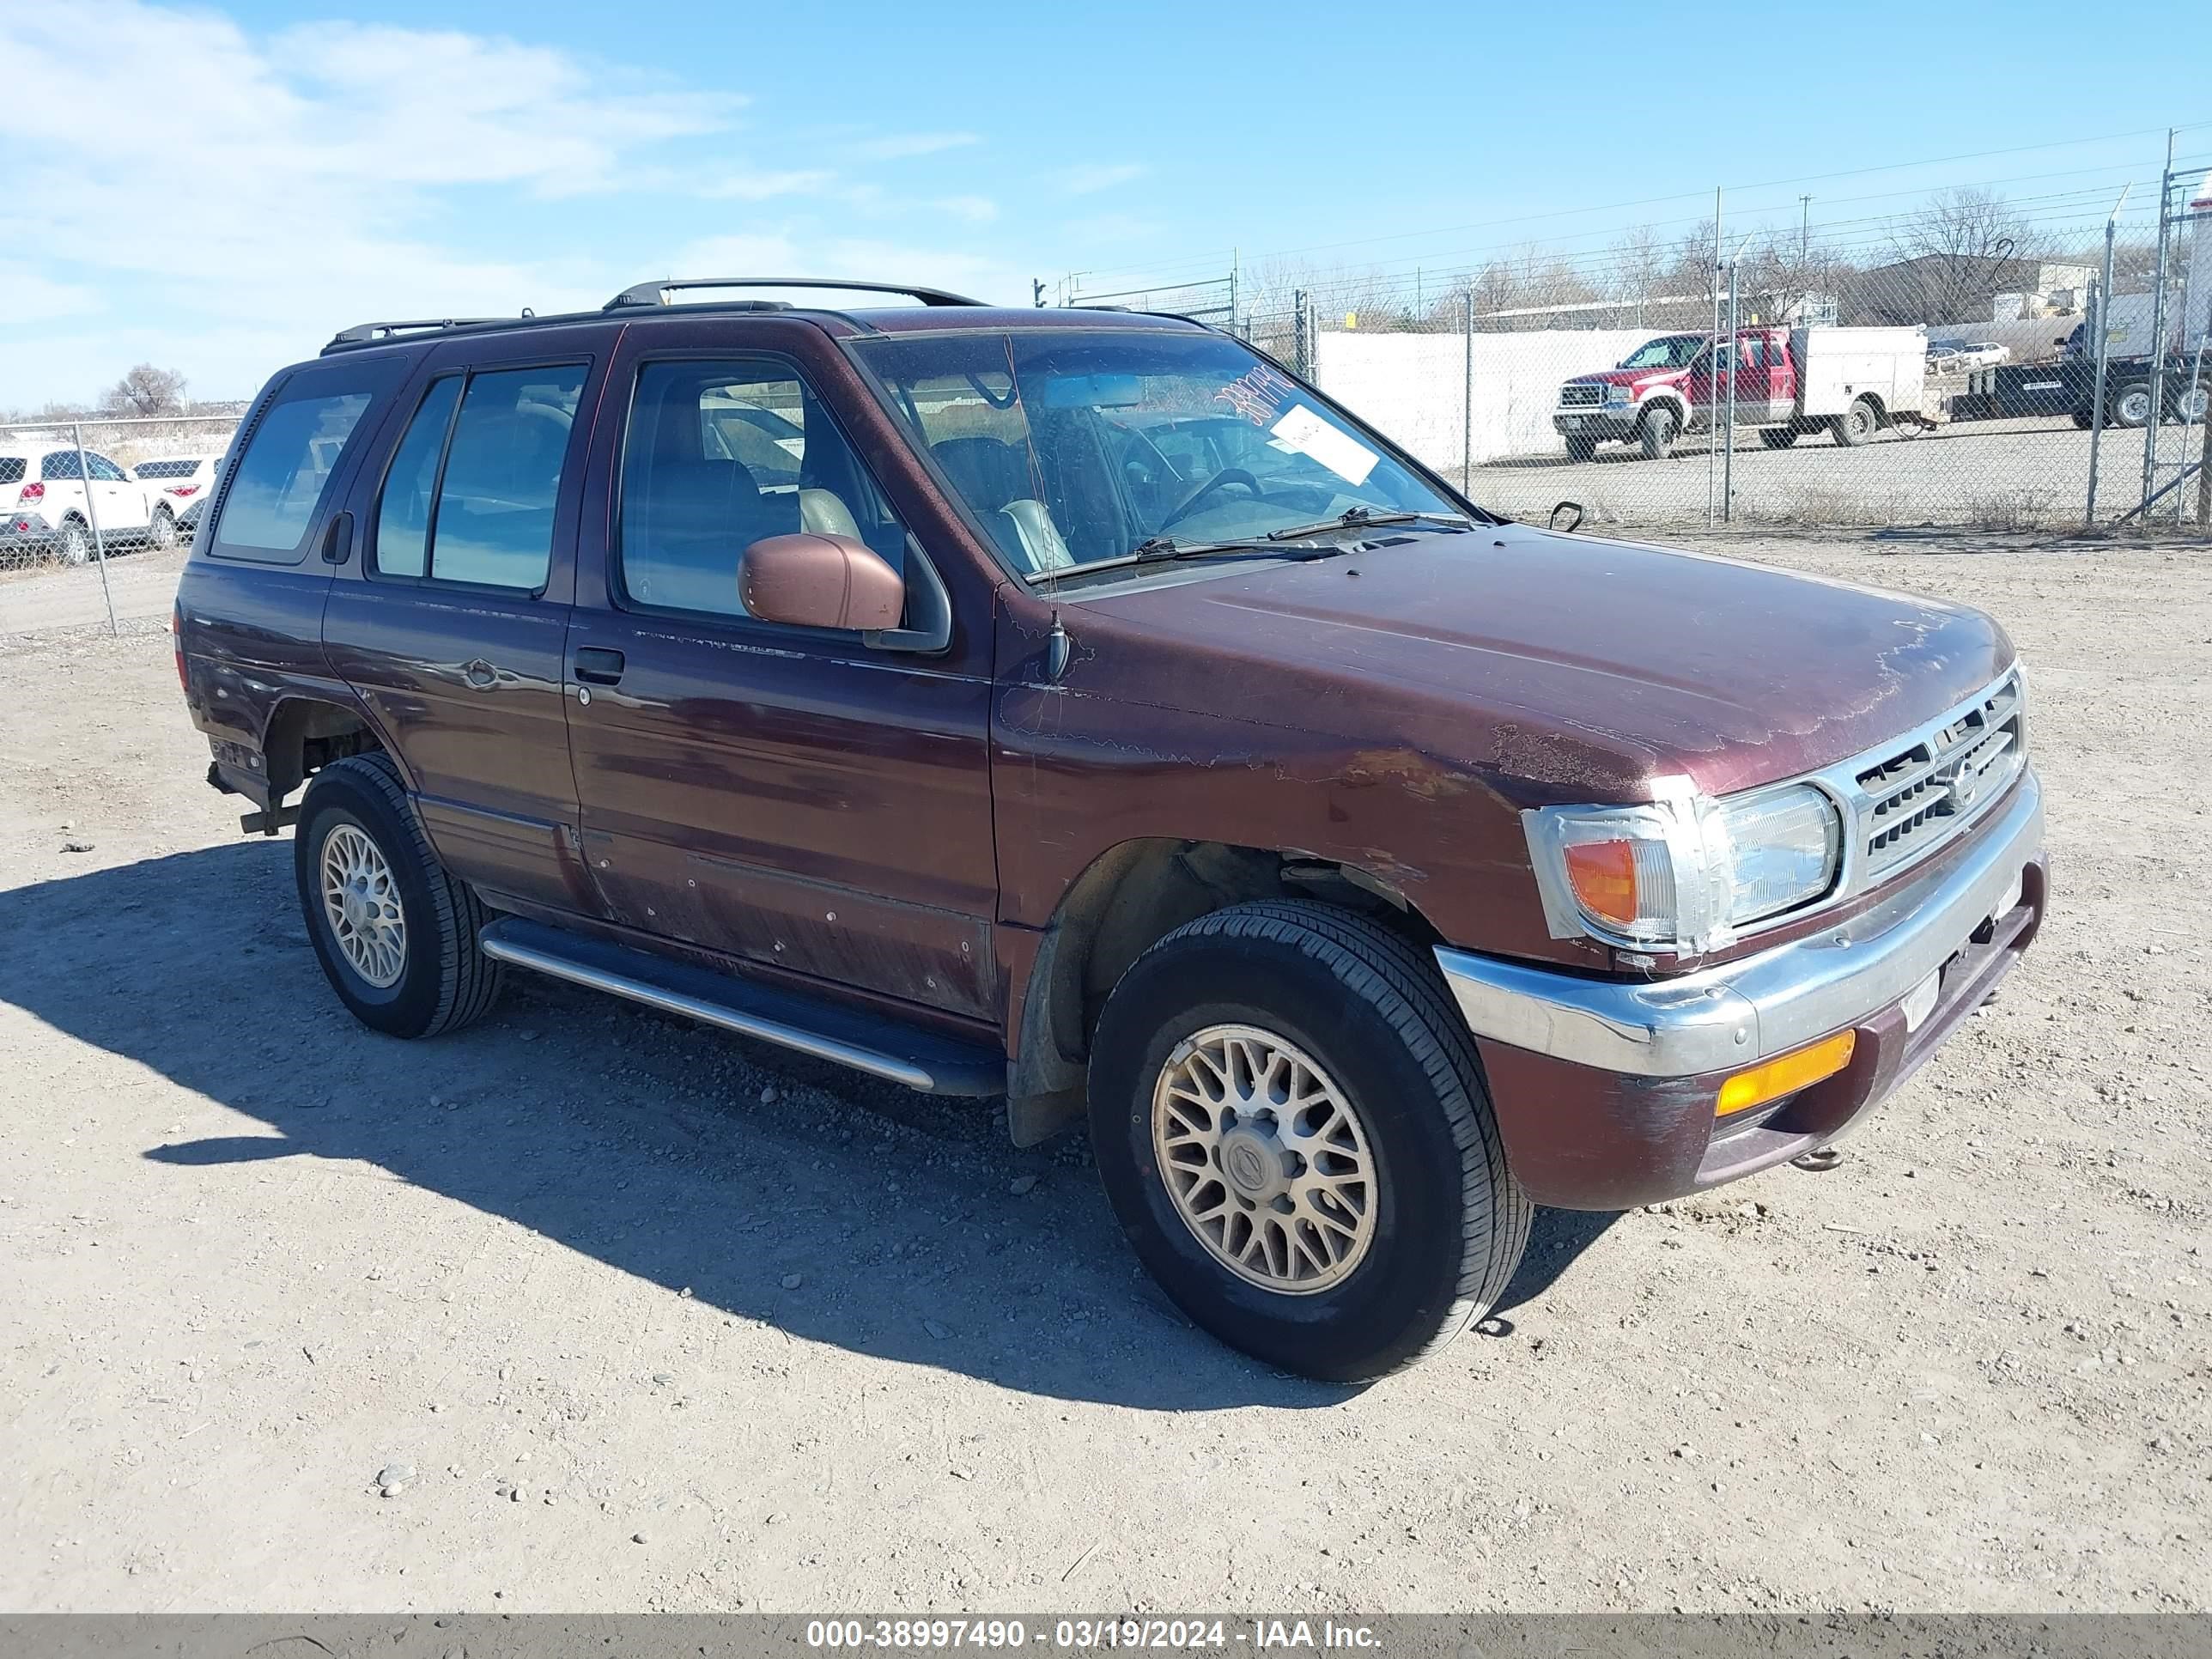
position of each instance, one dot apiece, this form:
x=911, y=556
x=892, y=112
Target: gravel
x=1887, y=1406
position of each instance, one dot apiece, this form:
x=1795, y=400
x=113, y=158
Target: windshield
x=1668, y=351
x=1071, y=447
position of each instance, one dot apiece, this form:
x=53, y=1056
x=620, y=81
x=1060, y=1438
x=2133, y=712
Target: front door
x=451, y=622
x=803, y=799
x=124, y=506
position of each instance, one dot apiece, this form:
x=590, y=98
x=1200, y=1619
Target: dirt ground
x=586, y=1308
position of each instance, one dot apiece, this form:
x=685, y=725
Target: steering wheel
x=1228, y=475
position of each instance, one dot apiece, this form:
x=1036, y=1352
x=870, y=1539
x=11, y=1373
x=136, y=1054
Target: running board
x=881, y=1047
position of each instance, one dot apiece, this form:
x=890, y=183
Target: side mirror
x=1561, y=511
x=809, y=581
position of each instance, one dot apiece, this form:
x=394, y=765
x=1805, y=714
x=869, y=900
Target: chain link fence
x=80, y=495
x=1969, y=363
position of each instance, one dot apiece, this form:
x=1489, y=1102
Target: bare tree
x=1951, y=258
x=145, y=390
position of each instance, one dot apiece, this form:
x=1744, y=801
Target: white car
x=47, y=504
x=182, y=485
x=1985, y=354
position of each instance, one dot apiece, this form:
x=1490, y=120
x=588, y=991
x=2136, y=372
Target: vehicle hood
x=1562, y=666
x=1635, y=377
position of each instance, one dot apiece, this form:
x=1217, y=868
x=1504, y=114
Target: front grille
x=1913, y=802
x=1580, y=397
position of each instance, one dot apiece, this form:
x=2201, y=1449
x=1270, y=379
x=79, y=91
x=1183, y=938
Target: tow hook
x=1820, y=1160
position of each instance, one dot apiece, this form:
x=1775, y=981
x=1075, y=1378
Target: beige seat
x=826, y=514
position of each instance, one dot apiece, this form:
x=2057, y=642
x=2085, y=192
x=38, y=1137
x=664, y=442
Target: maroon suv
x=1078, y=707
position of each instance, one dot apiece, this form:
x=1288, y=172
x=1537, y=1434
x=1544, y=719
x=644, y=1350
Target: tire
x=440, y=981
x=1855, y=425
x=1444, y=1221
x=73, y=544
x=161, y=534
x=1657, y=432
x=1581, y=448
x=2083, y=419
x=2191, y=404
x=1777, y=437
x=2131, y=405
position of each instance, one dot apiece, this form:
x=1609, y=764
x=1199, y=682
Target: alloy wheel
x=361, y=902
x=1265, y=1159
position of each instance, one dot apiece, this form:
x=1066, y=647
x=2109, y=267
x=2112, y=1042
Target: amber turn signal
x=1785, y=1074
x=1604, y=875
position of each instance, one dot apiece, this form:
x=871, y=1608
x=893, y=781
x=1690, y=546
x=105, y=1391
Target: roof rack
x=365, y=333
x=656, y=293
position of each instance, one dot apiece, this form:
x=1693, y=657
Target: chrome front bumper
x=1741, y=1013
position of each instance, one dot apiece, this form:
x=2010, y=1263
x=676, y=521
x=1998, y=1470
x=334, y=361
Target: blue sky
x=219, y=188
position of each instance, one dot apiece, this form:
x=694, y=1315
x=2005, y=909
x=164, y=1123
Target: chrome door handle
x=481, y=675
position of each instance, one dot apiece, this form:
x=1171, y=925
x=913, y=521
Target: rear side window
x=11, y=469
x=166, y=469
x=279, y=487
x=472, y=488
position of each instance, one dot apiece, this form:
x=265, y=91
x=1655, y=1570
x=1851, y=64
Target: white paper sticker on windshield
x=1304, y=430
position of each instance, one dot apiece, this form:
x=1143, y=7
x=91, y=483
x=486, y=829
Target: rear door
x=1754, y=378
x=801, y=799
x=451, y=622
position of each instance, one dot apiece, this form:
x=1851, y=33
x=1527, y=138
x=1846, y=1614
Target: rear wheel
x=163, y=533
x=1657, y=433
x=1855, y=425
x=1777, y=437
x=396, y=934
x=2131, y=405
x=74, y=545
x=1292, y=1124
x=2190, y=406
x=1581, y=448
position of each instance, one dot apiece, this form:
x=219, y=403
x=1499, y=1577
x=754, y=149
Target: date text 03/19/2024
x=1085, y=1635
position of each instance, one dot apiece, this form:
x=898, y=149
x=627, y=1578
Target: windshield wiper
x=1160, y=550
x=1354, y=517
x=1165, y=550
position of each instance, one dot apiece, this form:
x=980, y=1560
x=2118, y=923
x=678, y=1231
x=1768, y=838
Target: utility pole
x=1804, y=228
x=1037, y=292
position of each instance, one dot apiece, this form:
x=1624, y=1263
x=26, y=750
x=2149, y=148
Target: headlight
x=1683, y=874
x=1619, y=394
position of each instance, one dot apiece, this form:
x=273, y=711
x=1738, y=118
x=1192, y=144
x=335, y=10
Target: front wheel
x=1292, y=1124
x=1658, y=433
x=1581, y=448
x=396, y=934
x=2131, y=405
x=1777, y=437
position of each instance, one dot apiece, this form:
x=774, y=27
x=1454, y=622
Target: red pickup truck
x=1848, y=382
x=1077, y=707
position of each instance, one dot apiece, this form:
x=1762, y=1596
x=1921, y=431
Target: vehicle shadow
x=838, y=1210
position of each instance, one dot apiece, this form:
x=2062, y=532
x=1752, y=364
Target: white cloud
x=975, y=210
x=27, y=297
x=1098, y=176
x=336, y=172
x=745, y=185
x=899, y=147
